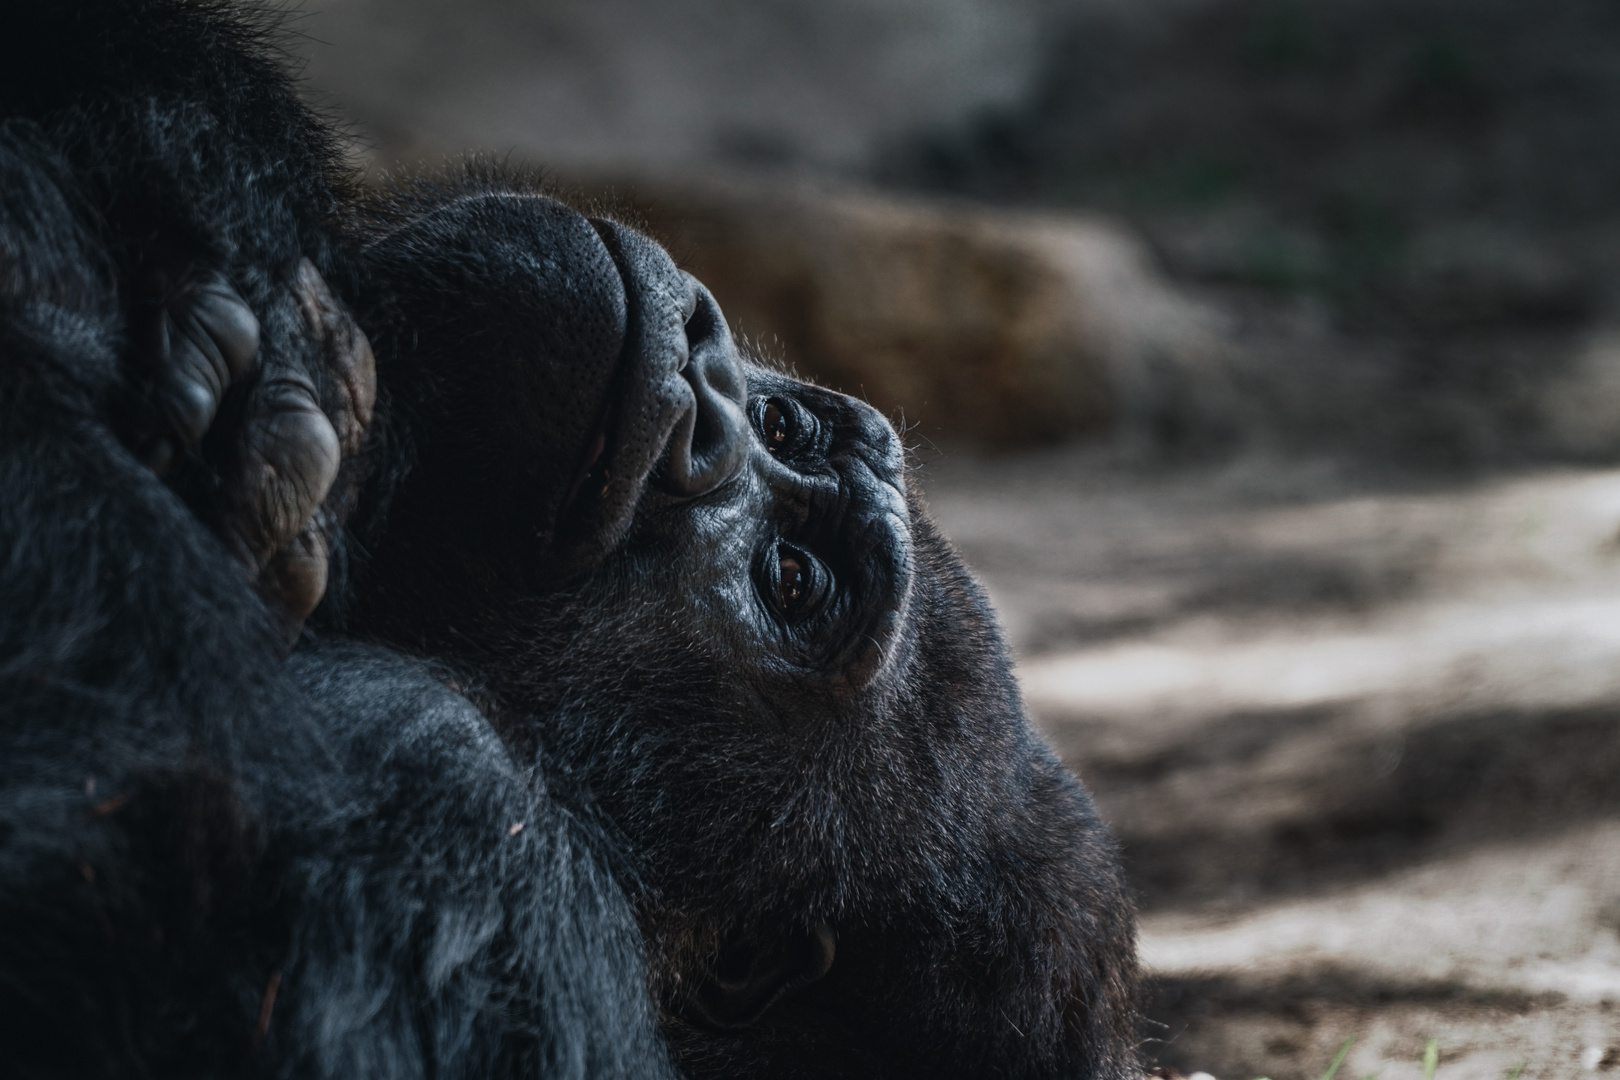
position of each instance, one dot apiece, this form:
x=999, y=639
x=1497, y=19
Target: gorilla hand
x=278, y=445
x=194, y=338
x=289, y=450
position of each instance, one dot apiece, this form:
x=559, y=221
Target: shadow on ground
x=1360, y=806
x=1359, y=735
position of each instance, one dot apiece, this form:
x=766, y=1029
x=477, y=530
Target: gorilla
x=639, y=665
x=730, y=624
x=216, y=860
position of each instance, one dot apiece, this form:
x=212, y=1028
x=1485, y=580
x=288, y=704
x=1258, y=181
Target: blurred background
x=1264, y=358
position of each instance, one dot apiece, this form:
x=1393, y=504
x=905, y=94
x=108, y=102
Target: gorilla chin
x=725, y=623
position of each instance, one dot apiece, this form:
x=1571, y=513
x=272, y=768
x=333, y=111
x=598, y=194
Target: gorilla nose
x=708, y=444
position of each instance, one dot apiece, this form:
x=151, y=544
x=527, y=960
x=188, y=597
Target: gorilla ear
x=751, y=976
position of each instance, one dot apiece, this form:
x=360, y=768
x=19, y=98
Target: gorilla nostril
x=708, y=446
x=701, y=322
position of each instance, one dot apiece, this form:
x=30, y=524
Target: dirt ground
x=1357, y=732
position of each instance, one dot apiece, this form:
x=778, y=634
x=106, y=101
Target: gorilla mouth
x=614, y=371
x=590, y=480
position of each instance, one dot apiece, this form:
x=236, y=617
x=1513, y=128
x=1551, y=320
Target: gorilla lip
x=578, y=493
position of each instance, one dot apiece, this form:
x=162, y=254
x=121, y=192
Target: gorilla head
x=703, y=599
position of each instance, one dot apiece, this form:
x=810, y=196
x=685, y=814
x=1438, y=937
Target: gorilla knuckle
x=229, y=325
x=186, y=406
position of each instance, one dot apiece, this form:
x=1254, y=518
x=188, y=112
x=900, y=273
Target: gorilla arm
x=138, y=676
x=197, y=839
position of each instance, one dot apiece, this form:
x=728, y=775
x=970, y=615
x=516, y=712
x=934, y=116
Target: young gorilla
x=729, y=624
x=690, y=593
x=214, y=862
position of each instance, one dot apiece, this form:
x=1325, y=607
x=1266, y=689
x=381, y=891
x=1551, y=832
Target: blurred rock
x=659, y=81
x=1396, y=216
x=1462, y=274
x=1582, y=406
x=998, y=327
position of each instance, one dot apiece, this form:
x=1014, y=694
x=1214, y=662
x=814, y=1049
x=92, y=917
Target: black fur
x=843, y=847
x=214, y=862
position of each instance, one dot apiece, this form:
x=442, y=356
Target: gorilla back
x=851, y=853
x=214, y=862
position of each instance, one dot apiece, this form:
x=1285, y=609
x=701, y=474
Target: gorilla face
x=728, y=625
x=626, y=425
x=798, y=508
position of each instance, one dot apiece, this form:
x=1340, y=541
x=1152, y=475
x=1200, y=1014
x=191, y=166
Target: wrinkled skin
x=740, y=636
x=479, y=296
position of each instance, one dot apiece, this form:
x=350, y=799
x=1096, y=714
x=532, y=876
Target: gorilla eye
x=787, y=428
x=793, y=581
x=775, y=426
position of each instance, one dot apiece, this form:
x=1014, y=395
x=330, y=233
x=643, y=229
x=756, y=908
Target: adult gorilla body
x=214, y=862
x=848, y=853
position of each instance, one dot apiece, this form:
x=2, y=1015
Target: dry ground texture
x=1357, y=732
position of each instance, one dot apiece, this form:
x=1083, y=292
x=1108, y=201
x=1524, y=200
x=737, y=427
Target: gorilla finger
x=288, y=462
x=184, y=401
x=215, y=314
x=202, y=337
x=295, y=578
x=346, y=354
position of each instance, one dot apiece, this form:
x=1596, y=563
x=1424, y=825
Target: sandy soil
x=1358, y=734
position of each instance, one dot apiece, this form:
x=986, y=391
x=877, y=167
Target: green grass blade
x=1339, y=1060
x=1513, y=1073
x=1431, y=1059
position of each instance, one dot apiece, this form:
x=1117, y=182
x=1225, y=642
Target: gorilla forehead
x=810, y=783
